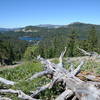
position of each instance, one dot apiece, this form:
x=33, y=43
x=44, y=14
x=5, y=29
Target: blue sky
x=18, y=13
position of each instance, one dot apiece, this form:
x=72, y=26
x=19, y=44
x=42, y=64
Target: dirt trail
x=12, y=66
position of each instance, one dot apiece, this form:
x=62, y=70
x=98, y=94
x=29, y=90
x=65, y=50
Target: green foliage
x=71, y=45
x=11, y=49
x=92, y=39
x=22, y=72
x=55, y=60
x=30, y=52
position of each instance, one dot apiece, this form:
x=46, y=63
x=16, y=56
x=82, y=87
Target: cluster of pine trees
x=11, y=50
x=54, y=44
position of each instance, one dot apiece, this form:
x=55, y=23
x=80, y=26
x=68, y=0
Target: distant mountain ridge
x=81, y=28
x=74, y=24
x=49, y=26
x=8, y=29
x=48, y=30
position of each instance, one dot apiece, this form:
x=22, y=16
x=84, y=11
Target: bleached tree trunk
x=73, y=85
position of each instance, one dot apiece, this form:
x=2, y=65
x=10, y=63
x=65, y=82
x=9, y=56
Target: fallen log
x=73, y=85
x=7, y=82
x=21, y=95
x=4, y=98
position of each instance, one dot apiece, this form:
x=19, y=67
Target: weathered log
x=84, y=52
x=61, y=57
x=41, y=89
x=20, y=94
x=72, y=84
x=78, y=69
x=65, y=95
x=39, y=74
x=95, y=54
x=4, y=98
x=7, y=82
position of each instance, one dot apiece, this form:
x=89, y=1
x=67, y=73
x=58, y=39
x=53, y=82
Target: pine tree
x=92, y=39
x=71, y=43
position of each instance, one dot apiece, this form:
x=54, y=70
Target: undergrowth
x=21, y=73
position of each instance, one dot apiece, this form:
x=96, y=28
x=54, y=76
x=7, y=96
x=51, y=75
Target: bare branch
x=21, y=94
x=52, y=83
x=84, y=52
x=71, y=68
x=65, y=95
x=43, y=88
x=4, y=98
x=39, y=74
x=62, y=55
x=74, y=98
x=48, y=64
x=7, y=82
x=78, y=69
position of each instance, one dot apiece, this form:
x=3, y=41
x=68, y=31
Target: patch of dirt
x=12, y=66
x=83, y=76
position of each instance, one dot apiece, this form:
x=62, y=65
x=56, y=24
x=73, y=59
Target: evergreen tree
x=92, y=39
x=30, y=52
x=71, y=43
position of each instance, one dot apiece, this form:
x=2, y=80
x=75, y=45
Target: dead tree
x=74, y=88
x=91, y=54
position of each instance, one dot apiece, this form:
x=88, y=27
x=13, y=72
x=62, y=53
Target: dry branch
x=20, y=94
x=61, y=56
x=41, y=89
x=4, y=98
x=7, y=82
x=65, y=95
x=95, y=54
x=39, y=74
x=78, y=69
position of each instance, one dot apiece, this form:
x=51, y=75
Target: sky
x=20, y=13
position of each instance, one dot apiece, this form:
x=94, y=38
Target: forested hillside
x=51, y=40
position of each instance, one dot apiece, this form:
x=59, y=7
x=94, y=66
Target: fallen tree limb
x=41, y=89
x=94, y=54
x=7, y=82
x=65, y=95
x=78, y=69
x=20, y=94
x=61, y=56
x=84, y=52
x=39, y=74
x=4, y=98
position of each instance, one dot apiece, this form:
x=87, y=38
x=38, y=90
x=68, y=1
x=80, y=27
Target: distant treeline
x=52, y=43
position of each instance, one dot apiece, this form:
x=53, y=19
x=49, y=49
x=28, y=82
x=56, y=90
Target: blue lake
x=30, y=38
